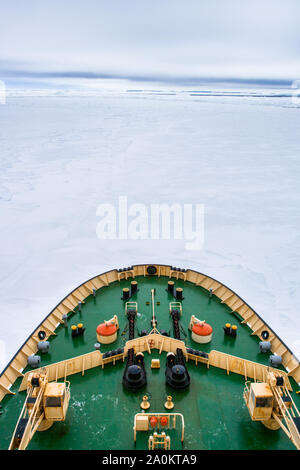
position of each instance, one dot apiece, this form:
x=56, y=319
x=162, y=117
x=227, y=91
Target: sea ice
x=62, y=156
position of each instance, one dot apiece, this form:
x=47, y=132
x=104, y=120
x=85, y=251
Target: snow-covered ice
x=63, y=155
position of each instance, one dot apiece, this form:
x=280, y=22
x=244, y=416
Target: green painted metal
x=101, y=411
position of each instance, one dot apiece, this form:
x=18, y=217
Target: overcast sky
x=142, y=38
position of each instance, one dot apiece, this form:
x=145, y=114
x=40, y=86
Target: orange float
x=106, y=333
x=202, y=332
x=153, y=421
x=164, y=421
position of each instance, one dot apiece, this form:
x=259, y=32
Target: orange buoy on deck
x=202, y=332
x=164, y=421
x=106, y=333
x=153, y=421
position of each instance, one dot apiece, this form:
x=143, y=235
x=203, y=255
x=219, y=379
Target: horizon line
x=27, y=74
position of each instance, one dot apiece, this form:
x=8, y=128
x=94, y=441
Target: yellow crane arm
x=290, y=414
x=28, y=422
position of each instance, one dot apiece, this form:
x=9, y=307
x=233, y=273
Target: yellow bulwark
x=72, y=366
x=155, y=341
x=248, y=369
x=237, y=365
x=233, y=301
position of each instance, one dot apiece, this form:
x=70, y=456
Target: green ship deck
x=101, y=411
